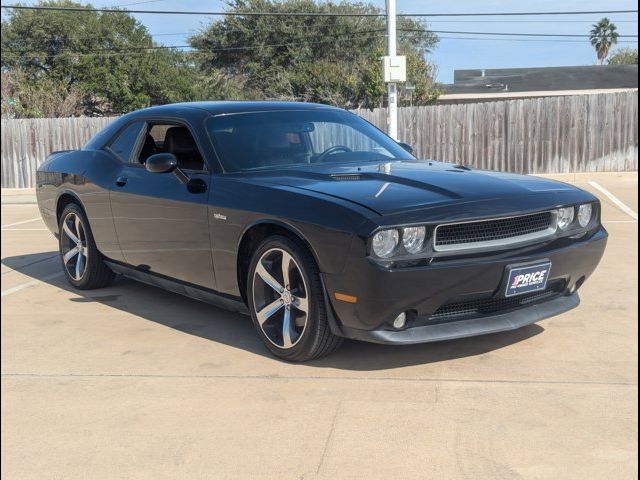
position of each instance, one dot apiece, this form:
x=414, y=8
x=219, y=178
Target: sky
x=451, y=53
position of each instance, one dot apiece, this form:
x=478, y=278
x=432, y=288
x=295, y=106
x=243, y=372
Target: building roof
x=493, y=96
x=544, y=79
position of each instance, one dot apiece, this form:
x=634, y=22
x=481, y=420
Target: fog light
x=400, y=321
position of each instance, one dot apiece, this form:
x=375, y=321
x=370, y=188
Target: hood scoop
x=346, y=177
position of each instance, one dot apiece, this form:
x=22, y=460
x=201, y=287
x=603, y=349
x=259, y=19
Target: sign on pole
x=395, y=70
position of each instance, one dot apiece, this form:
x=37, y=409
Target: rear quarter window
x=124, y=144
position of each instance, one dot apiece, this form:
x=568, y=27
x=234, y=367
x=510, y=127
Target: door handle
x=121, y=181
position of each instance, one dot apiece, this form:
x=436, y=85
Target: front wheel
x=82, y=263
x=286, y=300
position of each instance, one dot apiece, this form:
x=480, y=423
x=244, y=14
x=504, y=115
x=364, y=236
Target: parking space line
x=626, y=209
x=22, y=222
x=31, y=283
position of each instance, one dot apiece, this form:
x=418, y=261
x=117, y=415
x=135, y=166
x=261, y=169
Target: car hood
x=388, y=188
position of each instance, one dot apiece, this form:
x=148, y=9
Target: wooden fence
x=27, y=142
x=580, y=133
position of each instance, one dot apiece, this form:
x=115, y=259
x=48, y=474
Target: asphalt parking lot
x=134, y=382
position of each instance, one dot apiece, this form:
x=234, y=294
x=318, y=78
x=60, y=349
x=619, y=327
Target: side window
x=158, y=132
x=125, y=143
x=171, y=138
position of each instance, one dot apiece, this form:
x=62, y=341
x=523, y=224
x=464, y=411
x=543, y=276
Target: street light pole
x=392, y=88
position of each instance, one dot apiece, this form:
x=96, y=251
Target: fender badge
x=219, y=216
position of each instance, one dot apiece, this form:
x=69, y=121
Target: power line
x=309, y=14
x=142, y=50
x=175, y=34
x=530, y=21
x=137, y=3
x=171, y=34
x=415, y=30
x=513, y=14
x=328, y=36
x=529, y=40
x=308, y=27
x=515, y=34
x=145, y=50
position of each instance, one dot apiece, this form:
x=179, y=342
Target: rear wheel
x=286, y=300
x=82, y=263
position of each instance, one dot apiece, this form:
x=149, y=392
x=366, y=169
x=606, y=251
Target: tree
x=107, y=59
x=602, y=36
x=327, y=59
x=45, y=98
x=624, y=56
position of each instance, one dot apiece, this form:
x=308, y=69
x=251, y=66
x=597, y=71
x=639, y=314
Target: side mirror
x=406, y=146
x=161, y=163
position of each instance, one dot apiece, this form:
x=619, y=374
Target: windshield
x=262, y=140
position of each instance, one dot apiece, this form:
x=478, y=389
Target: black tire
x=95, y=272
x=316, y=339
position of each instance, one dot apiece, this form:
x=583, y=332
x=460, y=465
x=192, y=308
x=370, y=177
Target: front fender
x=326, y=227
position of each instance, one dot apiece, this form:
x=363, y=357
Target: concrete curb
x=18, y=196
x=26, y=200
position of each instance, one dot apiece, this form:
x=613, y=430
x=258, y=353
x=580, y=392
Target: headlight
x=565, y=217
x=413, y=238
x=385, y=242
x=584, y=214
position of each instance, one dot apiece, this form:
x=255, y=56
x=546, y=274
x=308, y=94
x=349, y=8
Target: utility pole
x=392, y=87
x=395, y=70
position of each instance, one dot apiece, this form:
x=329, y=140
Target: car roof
x=198, y=109
x=222, y=107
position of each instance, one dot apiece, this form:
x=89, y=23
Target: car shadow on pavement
x=212, y=323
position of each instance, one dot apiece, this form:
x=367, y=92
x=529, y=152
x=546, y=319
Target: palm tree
x=603, y=35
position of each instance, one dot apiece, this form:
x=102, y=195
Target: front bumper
x=468, y=328
x=382, y=293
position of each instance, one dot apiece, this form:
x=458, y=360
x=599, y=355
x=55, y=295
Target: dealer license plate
x=531, y=278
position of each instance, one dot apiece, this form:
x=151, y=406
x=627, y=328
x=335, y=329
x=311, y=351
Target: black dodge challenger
x=317, y=224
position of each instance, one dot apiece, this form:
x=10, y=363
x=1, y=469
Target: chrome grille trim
x=505, y=242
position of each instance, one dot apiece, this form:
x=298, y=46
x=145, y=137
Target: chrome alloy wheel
x=280, y=298
x=73, y=246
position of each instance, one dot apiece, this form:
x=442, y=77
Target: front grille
x=461, y=310
x=498, y=232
